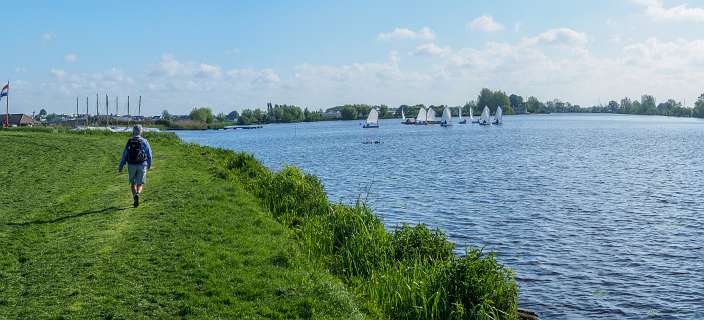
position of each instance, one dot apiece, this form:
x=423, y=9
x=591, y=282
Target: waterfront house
x=19, y=120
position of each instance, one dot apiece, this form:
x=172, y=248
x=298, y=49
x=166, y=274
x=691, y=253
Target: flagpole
x=7, y=106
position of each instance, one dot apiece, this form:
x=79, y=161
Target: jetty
x=242, y=127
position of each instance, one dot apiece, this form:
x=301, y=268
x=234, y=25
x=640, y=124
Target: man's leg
x=139, y=188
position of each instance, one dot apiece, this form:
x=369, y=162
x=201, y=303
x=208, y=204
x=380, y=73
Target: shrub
x=419, y=242
x=478, y=287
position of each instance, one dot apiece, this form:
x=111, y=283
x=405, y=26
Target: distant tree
x=625, y=106
x=647, y=105
x=612, y=106
x=493, y=99
x=517, y=103
x=42, y=112
x=220, y=117
x=233, y=115
x=535, y=106
x=699, y=107
x=202, y=114
x=349, y=112
x=165, y=115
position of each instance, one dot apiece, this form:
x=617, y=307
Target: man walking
x=138, y=156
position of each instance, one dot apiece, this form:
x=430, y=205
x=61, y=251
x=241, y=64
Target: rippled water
x=600, y=216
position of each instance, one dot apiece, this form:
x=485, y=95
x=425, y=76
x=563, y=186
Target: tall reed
x=408, y=273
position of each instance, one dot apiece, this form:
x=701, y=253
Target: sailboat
x=471, y=117
x=430, y=117
x=446, y=118
x=485, y=119
x=498, y=117
x=372, y=119
x=422, y=115
x=406, y=121
x=461, y=121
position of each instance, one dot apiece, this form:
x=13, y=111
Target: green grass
x=218, y=236
x=199, y=246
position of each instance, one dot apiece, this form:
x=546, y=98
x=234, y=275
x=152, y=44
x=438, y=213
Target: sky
x=230, y=55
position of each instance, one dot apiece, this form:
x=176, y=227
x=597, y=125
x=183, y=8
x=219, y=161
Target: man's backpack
x=135, y=152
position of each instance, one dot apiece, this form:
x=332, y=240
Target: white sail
x=431, y=115
x=403, y=116
x=486, y=117
x=373, y=118
x=421, y=115
x=446, y=116
x=471, y=118
x=499, y=115
x=460, y=114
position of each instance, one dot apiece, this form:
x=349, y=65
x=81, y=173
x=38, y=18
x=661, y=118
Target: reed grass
x=407, y=273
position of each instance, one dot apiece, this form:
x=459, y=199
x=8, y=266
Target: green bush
x=478, y=287
x=294, y=196
x=419, y=242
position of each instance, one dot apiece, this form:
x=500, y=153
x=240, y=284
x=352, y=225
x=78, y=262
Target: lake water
x=600, y=216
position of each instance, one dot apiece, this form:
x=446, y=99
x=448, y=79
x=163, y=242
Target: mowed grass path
x=71, y=245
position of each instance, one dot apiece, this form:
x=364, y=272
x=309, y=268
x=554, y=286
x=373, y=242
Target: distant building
x=19, y=120
x=332, y=114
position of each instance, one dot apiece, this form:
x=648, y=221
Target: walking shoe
x=136, y=200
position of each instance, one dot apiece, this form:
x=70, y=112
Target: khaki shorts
x=137, y=173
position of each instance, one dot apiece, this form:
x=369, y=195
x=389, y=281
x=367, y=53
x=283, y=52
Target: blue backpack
x=135, y=151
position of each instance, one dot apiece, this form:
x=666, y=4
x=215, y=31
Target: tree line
x=511, y=104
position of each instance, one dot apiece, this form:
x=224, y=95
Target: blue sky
x=234, y=54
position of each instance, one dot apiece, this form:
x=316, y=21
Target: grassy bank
x=71, y=246
x=218, y=236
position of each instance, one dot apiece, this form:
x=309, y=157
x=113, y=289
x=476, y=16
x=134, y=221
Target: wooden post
x=97, y=110
x=107, y=111
x=7, y=106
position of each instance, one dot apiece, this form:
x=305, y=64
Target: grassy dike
x=218, y=236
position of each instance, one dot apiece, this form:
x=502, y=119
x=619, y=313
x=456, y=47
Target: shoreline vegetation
x=511, y=104
x=203, y=118
x=218, y=234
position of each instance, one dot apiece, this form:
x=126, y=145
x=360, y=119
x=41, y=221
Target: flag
x=5, y=90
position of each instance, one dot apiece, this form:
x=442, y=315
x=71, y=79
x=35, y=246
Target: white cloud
x=48, y=36
x=399, y=33
x=208, y=71
x=71, y=57
x=485, y=23
x=556, y=63
x=559, y=37
x=431, y=49
x=656, y=10
x=169, y=66
x=57, y=73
